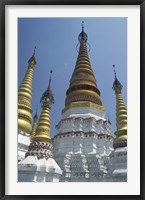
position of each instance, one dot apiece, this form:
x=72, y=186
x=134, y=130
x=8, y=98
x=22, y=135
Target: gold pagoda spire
x=121, y=115
x=83, y=87
x=35, y=118
x=43, y=128
x=25, y=98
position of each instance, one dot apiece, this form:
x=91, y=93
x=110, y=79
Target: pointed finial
x=34, y=51
x=48, y=93
x=116, y=83
x=114, y=70
x=82, y=26
x=83, y=35
x=33, y=57
x=50, y=78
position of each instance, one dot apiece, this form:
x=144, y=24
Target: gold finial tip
x=116, y=83
x=33, y=57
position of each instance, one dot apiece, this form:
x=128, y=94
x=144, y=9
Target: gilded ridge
x=84, y=104
x=25, y=98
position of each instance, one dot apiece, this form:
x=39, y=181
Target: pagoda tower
x=121, y=116
x=83, y=140
x=25, y=98
x=118, y=157
x=25, y=109
x=38, y=160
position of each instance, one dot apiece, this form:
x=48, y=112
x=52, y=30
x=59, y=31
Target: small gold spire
x=83, y=85
x=43, y=128
x=25, y=98
x=121, y=115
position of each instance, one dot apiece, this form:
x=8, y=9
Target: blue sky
x=56, y=40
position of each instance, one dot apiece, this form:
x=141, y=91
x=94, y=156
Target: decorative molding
x=40, y=149
x=84, y=104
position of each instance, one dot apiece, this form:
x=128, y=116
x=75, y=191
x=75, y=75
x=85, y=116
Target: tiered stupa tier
x=39, y=160
x=83, y=141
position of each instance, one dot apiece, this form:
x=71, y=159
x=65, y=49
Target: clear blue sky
x=55, y=40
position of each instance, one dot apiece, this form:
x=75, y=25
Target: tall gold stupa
x=25, y=98
x=121, y=116
x=83, y=90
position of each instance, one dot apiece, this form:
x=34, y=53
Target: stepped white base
x=82, y=146
x=83, y=168
x=118, y=166
x=33, y=170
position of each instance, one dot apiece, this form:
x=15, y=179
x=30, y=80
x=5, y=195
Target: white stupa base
x=82, y=145
x=33, y=170
x=79, y=167
x=23, y=144
x=118, y=166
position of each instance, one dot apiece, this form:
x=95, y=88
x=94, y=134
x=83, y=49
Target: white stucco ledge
x=32, y=169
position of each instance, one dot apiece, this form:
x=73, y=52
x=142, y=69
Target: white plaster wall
x=23, y=144
x=83, y=124
x=118, y=165
x=33, y=170
x=82, y=154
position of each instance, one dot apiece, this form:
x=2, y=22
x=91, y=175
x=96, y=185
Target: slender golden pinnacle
x=121, y=115
x=35, y=118
x=43, y=128
x=83, y=85
x=25, y=98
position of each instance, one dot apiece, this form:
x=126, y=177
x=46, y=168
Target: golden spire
x=25, y=98
x=121, y=115
x=83, y=87
x=43, y=128
x=35, y=118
